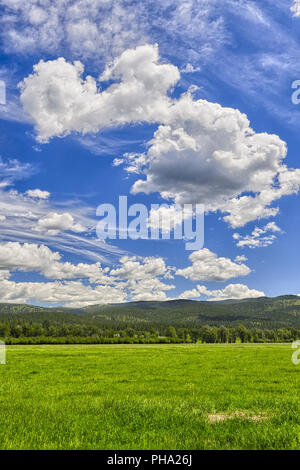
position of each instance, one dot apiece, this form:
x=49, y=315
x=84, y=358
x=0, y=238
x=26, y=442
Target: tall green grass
x=150, y=397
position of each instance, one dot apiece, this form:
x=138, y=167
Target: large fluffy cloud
x=61, y=101
x=201, y=152
x=26, y=257
x=209, y=154
x=132, y=268
x=144, y=279
x=232, y=291
x=207, y=266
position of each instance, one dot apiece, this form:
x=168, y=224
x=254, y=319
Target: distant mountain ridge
x=263, y=312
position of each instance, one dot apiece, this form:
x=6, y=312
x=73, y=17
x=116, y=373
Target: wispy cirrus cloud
x=260, y=237
x=12, y=170
x=34, y=216
x=86, y=29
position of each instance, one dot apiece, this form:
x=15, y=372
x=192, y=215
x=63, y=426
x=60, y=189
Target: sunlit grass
x=150, y=397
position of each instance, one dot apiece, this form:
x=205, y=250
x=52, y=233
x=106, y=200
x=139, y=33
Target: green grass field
x=150, y=397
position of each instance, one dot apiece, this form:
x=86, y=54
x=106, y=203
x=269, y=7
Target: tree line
x=29, y=332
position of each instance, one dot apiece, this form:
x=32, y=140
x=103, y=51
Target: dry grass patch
x=219, y=417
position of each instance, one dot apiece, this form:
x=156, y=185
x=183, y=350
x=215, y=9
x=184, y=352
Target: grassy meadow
x=220, y=396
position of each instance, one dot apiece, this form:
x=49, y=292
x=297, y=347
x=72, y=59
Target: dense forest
x=22, y=332
x=250, y=320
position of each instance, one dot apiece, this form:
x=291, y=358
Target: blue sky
x=183, y=102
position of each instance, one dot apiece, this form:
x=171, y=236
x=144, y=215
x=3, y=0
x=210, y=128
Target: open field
x=240, y=396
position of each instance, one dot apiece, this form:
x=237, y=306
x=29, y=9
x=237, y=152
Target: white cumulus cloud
x=26, y=257
x=201, y=152
x=38, y=194
x=207, y=266
x=69, y=293
x=240, y=259
x=232, y=291
x=54, y=223
x=61, y=101
x=133, y=279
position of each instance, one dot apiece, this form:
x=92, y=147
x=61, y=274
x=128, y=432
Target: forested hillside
x=263, y=312
x=255, y=320
x=283, y=311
